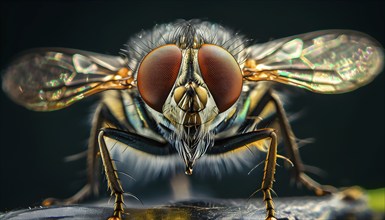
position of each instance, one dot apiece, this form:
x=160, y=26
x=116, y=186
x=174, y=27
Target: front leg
x=112, y=178
x=269, y=171
x=241, y=141
x=131, y=141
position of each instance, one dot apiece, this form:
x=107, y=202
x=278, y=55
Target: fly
x=193, y=89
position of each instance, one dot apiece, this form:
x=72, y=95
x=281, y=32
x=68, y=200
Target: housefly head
x=189, y=85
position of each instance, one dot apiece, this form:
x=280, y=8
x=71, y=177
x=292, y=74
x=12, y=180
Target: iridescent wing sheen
x=330, y=61
x=48, y=79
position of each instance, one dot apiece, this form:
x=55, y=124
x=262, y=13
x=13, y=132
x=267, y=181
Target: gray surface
x=329, y=207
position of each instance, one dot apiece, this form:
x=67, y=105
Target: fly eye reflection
x=157, y=74
x=222, y=75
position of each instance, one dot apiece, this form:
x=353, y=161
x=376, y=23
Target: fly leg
x=112, y=178
x=242, y=141
x=269, y=171
x=291, y=148
x=101, y=116
x=130, y=141
x=92, y=185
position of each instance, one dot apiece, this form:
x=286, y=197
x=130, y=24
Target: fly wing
x=48, y=79
x=330, y=61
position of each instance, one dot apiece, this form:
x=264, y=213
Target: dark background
x=348, y=128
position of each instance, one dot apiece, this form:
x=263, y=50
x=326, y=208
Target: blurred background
x=348, y=128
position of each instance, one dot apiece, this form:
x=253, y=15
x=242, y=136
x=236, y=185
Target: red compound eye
x=221, y=73
x=157, y=74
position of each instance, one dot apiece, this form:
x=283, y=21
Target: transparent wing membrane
x=330, y=61
x=52, y=78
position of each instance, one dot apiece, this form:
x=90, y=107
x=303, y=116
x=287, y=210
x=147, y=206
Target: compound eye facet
x=222, y=75
x=157, y=74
